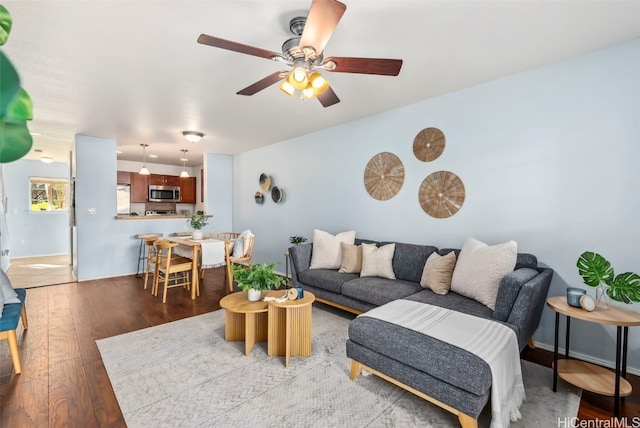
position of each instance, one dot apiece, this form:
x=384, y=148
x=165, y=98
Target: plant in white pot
x=256, y=278
x=197, y=221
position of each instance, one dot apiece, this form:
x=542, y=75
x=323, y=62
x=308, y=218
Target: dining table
x=196, y=247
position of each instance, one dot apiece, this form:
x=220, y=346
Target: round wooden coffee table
x=245, y=320
x=290, y=326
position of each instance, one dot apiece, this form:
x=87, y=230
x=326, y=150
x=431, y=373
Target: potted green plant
x=297, y=240
x=596, y=271
x=256, y=278
x=197, y=221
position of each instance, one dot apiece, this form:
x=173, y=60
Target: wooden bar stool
x=151, y=259
x=141, y=255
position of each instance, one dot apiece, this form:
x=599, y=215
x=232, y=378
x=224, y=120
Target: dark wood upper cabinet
x=139, y=187
x=124, y=177
x=164, y=180
x=188, y=190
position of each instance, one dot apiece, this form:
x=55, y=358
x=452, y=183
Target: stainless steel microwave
x=164, y=194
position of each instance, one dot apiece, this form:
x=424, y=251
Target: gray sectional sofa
x=434, y=370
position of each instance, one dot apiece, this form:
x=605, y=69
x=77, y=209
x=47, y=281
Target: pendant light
x=184, y=173
x=144, y=170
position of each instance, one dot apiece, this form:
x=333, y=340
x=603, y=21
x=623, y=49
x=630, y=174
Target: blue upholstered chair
x=11, y=314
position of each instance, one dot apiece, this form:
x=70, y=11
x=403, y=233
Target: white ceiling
x=132, y=70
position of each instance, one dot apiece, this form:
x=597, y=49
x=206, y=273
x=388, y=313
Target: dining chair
x=245, y=258
x=151, y=259
x=172, y=271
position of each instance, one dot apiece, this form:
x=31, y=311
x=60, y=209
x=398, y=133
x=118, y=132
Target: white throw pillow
x=238, y=244
x=378, y=261
x=10, y=295
x=481, y=267
x=327, y=252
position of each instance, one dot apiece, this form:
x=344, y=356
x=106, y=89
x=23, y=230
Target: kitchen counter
x=155, y=217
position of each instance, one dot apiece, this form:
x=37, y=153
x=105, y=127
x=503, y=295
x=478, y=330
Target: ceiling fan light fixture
x=192, y=136
x=287, y=88
x=318, y=83
x=298, y=78
x=308, y=92
x=144, y=170
x=46, y=159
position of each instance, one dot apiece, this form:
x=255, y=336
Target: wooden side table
x=290, y=327
x=245, y=320
x=589, y=376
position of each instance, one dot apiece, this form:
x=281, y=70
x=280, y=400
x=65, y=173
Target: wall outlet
x=22, y=242
x=91, y=211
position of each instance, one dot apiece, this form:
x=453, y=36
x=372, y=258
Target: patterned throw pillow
x=327, y=251
x=481, y=267
x=378, y=261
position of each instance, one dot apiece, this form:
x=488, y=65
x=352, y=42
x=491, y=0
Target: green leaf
x=594, y=269
x=20, y=108
x=625, y=288
x=5, y=24
x=15, y=141
x=9, y=83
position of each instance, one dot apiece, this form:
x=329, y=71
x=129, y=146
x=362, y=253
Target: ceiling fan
x=304, y=54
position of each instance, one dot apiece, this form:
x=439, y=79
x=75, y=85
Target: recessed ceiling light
x=46, y=159
x=153, y=156
x=119, y=152
x=184, y=160
x=34, y=133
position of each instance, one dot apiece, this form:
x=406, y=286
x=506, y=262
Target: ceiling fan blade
x=217, y=42
x=328, y=98
x=262, y=84
x=381, y=66
x=323, y=18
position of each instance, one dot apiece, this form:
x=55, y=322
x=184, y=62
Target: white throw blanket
x=211, y=254
x=495, y=343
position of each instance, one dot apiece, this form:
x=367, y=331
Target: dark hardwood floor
x=64, y=383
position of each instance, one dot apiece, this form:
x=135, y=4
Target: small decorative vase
x=602, y=300
x=254, y=295
x=197, y=234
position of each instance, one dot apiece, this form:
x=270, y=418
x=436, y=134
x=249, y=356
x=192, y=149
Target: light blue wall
x=218, y=171
x=549, y=158
x=34, y=233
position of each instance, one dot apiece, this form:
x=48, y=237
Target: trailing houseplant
x=297, y=240
x=197, y=221
x=16, y=107
x=256, y=278
x=596, y=271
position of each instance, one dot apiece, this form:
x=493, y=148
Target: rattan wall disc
x=441, y=194
x=383, y=176
x=428, y=144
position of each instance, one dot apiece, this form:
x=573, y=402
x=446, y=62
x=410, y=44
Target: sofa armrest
x=527, y=309
x=508, y=291
x=300, y=256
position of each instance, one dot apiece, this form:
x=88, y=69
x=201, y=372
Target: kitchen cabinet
x=139, y=187
x=164, y=180
x=188, y=190
x=124, y=177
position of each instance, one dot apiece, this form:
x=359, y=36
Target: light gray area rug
x=184, y=374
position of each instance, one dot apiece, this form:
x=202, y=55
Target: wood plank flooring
x=64, y=383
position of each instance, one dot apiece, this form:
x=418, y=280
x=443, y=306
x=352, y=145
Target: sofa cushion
x=454, y=301
x=480, y=268
x=408, y=258
x=509, y=290
x=441, y=360
x=351, y=258
x=378, y=291
x=523, y=260
x=378, y=261
x=327, y=253
x=327, y=279
x=437, y=272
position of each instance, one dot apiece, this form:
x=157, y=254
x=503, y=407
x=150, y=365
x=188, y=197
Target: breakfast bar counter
x=155, y=217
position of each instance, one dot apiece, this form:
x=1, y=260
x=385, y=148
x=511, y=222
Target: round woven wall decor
x=428, y=144
x=441, y=194
x=384, y=176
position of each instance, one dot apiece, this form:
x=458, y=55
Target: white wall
x=548, y=158
x=30, y=233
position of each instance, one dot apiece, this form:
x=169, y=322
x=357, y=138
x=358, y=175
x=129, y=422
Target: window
x=48, y=194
